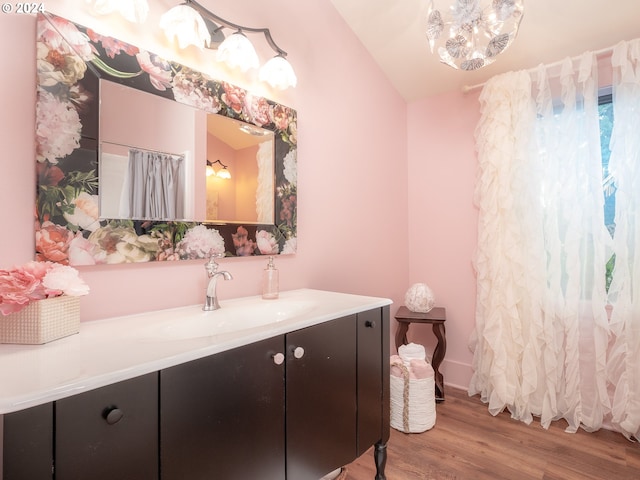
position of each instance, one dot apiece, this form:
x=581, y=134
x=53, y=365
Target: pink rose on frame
x=267, y=243
x=52, y=242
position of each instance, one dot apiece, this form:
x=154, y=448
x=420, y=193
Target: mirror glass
x=134, y=154
x=162, y=160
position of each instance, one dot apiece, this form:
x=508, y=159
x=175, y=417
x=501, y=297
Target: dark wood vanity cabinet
x=27, y=439
x=242, y=414
x=337, y=394
x=295, y=406
x=246, y=413
x=373, y=379
x=109, y=433
x=103, y=434
x=321, y=398
x=223, y=416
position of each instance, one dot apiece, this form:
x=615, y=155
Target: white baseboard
x=456, y=374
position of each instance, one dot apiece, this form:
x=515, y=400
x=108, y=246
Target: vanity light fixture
x=470, y=34
x=135, y=11
x=183, y=24
x=237, y=51
x=222, y=173
x=251, y=130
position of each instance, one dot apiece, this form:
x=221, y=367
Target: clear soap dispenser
x=270, y=281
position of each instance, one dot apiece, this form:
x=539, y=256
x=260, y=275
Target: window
x=605, y=111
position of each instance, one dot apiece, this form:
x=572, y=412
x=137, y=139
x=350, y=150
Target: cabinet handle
x=298, y=352
x=370, y=324
x=278, y=358
x=112, y=415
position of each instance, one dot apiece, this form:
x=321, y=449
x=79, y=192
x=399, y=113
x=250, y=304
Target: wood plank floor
x=467, y=443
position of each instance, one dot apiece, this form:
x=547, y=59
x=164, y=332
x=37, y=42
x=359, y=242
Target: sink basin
x=193, y=322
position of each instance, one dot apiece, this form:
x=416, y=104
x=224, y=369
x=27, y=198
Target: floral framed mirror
x=74, y=225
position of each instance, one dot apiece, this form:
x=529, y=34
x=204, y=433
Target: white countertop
x=115, y=349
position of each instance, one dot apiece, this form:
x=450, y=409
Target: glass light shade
x=135, y=11
x=185, y=26
x=210, y=171
x=238, y=52
x=223, y=173
x=470, y=34
x=278, y=73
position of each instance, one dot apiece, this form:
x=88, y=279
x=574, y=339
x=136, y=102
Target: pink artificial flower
x=193, y=88
x=17, y=289
x=158, y=69
x=52, y=242
x=244, y=246
x=112, y=46
x=201, y=242
x=64, y=280
x=280, y=116
x=70, y=40
x=37, y=281
x=81, y=251
x=58, y=128
x=49, y=174
x=267, y=243
x=233, y=96
x=257, y=110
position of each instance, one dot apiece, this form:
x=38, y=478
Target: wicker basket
x=413, y=408
x=42, y=321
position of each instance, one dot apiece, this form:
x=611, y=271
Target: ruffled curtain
x=624, y=294
x=541, y=336
x=264, y=193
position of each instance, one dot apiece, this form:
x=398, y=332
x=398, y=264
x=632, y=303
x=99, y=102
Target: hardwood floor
x=467, y=443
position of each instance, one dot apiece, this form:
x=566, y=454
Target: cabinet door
x=321, y=398
x=222, y=417
x=27, y=444
x=109, y=433
x=373, y=411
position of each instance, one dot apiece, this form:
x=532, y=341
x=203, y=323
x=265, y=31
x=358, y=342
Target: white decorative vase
x=419, y=298
x=42, y=321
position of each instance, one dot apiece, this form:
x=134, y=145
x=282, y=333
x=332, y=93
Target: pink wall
x=442, y=218
x=352, y=130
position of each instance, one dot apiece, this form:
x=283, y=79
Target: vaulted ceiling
x=393, y=31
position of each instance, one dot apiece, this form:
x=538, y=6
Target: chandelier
x=470, y=34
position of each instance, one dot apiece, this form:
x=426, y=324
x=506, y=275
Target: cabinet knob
x=298, y=352
x=370, y=324
x=278, y=358
x=112, y=415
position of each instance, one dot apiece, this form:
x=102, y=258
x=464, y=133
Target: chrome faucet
x=211, y=300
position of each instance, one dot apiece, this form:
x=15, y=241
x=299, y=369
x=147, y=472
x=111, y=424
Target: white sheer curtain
x=542, y=330
x=624, y=294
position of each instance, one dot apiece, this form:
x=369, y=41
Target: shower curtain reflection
x=153, y=186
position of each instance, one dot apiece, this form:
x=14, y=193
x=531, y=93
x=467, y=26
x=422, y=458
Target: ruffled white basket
x=42, y=321
x=413, y=406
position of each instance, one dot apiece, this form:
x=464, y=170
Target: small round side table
x=436, y=317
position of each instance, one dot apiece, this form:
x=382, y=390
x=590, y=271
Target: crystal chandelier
x=470, y=34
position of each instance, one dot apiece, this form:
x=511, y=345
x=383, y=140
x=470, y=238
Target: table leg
x=438, y=356
x=401, y=334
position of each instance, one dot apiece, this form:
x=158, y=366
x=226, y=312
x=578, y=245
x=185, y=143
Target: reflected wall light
x=133, y=10
x=470, y=34
x=235, y=50
x=222, y=173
